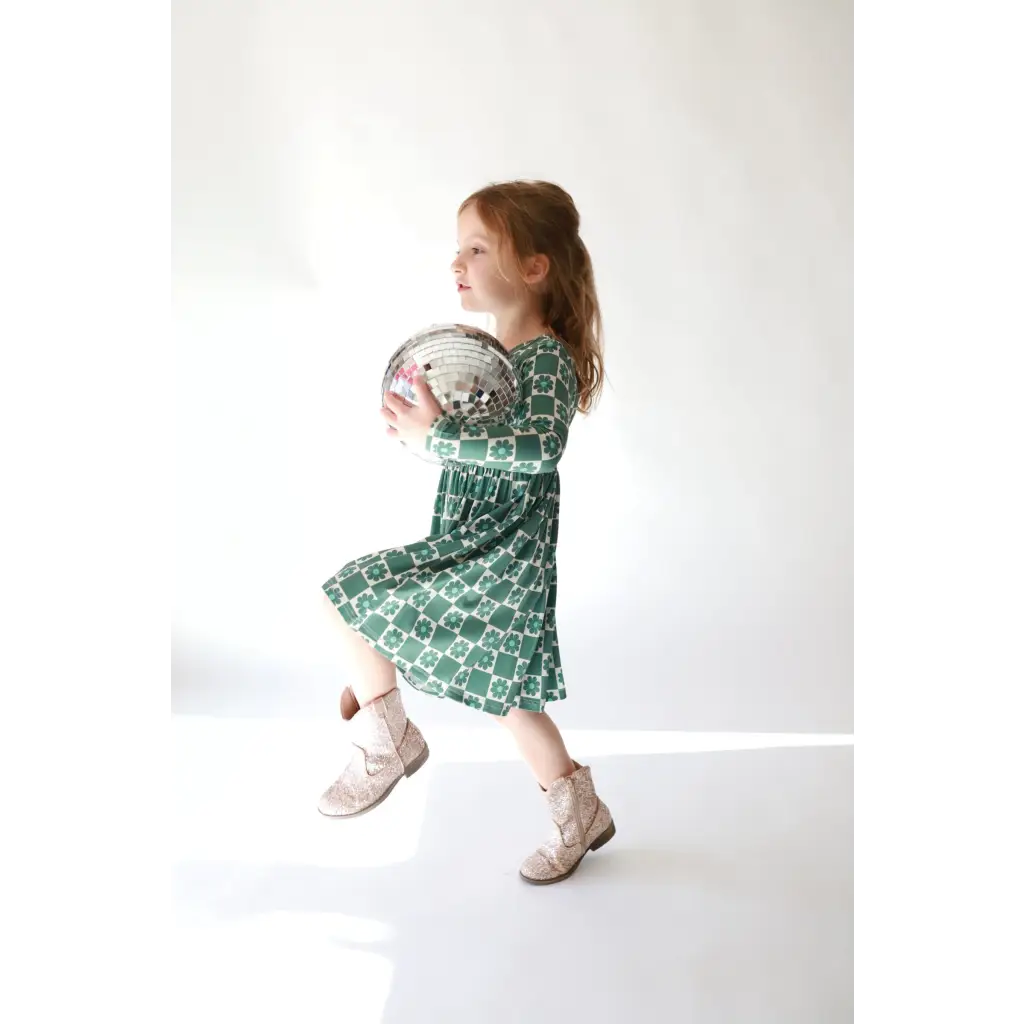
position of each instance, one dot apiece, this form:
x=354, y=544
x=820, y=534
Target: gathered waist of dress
x=473, y=470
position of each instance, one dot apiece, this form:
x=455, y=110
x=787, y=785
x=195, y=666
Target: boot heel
x=417, y=762
x=603, y=837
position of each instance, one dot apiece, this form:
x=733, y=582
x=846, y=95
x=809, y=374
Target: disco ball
x=468, y=371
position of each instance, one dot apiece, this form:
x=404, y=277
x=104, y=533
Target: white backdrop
x=320, y=152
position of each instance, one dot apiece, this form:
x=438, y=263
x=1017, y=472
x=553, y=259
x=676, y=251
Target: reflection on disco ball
x=468, y=371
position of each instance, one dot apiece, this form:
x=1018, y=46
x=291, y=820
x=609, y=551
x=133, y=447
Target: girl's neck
x=515, y=328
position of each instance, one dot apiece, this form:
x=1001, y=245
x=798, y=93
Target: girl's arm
x=535, y=440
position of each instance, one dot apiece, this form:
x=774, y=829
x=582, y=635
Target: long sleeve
x=533, y=436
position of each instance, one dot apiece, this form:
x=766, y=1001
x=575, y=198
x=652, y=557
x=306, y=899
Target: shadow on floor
x=726, y=895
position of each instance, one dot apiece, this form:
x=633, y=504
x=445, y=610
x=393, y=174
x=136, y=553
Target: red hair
x=540, y=218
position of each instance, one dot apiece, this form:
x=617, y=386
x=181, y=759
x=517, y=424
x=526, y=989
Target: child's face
x=484, y=269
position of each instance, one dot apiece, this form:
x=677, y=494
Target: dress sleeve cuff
x=432, y=433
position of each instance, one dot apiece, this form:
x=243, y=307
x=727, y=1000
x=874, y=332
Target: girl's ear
x=536, y=268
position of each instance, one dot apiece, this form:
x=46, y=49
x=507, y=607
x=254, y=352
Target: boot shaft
x=572, y=802
x=381, y=724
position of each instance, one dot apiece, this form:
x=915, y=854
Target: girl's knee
x=512, y=719
x=516, y=717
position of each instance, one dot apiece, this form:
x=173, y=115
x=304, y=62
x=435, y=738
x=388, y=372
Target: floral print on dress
x=468, y=612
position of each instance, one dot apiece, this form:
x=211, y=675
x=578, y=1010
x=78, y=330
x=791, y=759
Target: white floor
x=726, y=895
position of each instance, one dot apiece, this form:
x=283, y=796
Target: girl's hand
x=407, y=421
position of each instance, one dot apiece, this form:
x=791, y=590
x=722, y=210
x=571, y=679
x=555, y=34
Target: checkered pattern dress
x=469, y=611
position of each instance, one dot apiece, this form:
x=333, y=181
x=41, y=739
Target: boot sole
x=411, y=769
x=603, y=838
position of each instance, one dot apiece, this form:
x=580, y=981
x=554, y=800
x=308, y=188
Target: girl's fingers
x=396, y=402
x=424, y=393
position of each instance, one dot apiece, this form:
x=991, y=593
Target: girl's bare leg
x=371, y=674
x=541, y=745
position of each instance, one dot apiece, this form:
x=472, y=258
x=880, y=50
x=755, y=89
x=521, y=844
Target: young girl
x=469, y=612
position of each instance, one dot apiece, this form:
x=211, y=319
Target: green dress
x=469, y=611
